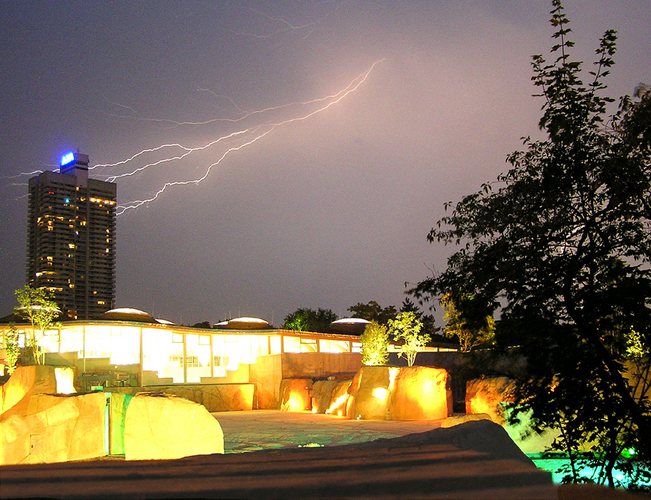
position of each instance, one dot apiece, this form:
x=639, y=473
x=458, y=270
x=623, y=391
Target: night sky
x=331, y=202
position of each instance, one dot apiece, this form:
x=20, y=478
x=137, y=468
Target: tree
x=471, y=333
x=305, y=319
x=372, y=311
x=11, y=346
x=428, y=320
x=375, y=344
x=560, y=247
x=405, y=329
x=38, y=306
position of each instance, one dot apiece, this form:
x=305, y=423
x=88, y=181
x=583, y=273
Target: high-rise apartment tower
x=71, y=238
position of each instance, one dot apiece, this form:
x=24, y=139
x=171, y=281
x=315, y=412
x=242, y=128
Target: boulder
x=322, y=395
x=420, y=393
x=295, y=394
x=45, y=428
x=369, y=393
x=27, y=380
x=392, y=393
x=167, y=427
x=339, y=398
x=487, y=395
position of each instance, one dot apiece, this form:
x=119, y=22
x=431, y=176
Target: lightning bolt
x=220, y=96
x=329, y=101
x=287, y=26
x=22, y=174
x=187, y=150
x=249, y=114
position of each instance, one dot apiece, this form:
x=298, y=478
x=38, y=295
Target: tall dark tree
x=428, y=321
x=559, y=248
x=305, y=319
x=372, y=311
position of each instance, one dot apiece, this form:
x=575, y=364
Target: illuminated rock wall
x=391, y=393
x=487, y=395
x=369, y=394
x=35, y=379
x=219, y=397
x=44, y=428
x=167, y=427
x=339, y=398
x=322, y=395
x=295, y=394
x=269, y=371
x=420, y=393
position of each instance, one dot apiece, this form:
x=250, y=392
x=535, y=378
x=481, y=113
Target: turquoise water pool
x=554, y=464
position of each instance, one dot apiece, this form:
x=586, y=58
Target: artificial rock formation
x=215, y=397
x=420, y=393
x=35, y=379
x=392, y=393
x=167, y=427
x=47, y=428
x=295, y=394
x=322, y=395
x=369, y=393
x=487, y=396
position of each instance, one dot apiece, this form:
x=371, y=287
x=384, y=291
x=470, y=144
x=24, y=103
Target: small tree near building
x=375, y=344
x=11, y=347
x=406, y=328
x=38, y=307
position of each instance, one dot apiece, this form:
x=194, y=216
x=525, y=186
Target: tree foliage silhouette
x=558, y=248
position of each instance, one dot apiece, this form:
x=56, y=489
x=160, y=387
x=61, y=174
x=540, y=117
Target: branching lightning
x=258, y=133
x=286, y=26
x=352, y=85
x=22, y=174
x=187, y=150
x=234, y=141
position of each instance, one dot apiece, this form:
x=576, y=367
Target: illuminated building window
x=326, y=345
x=176, y=360
x=177, y=338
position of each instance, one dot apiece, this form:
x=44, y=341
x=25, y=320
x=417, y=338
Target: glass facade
x=167, y=354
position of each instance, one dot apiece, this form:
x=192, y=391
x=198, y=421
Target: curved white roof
x=128, y=314
x=350, y=321
x=244, y=323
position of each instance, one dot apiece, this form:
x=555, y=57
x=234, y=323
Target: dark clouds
x=324, y=212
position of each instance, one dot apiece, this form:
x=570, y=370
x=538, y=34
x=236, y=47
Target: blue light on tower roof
x=67, y=158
